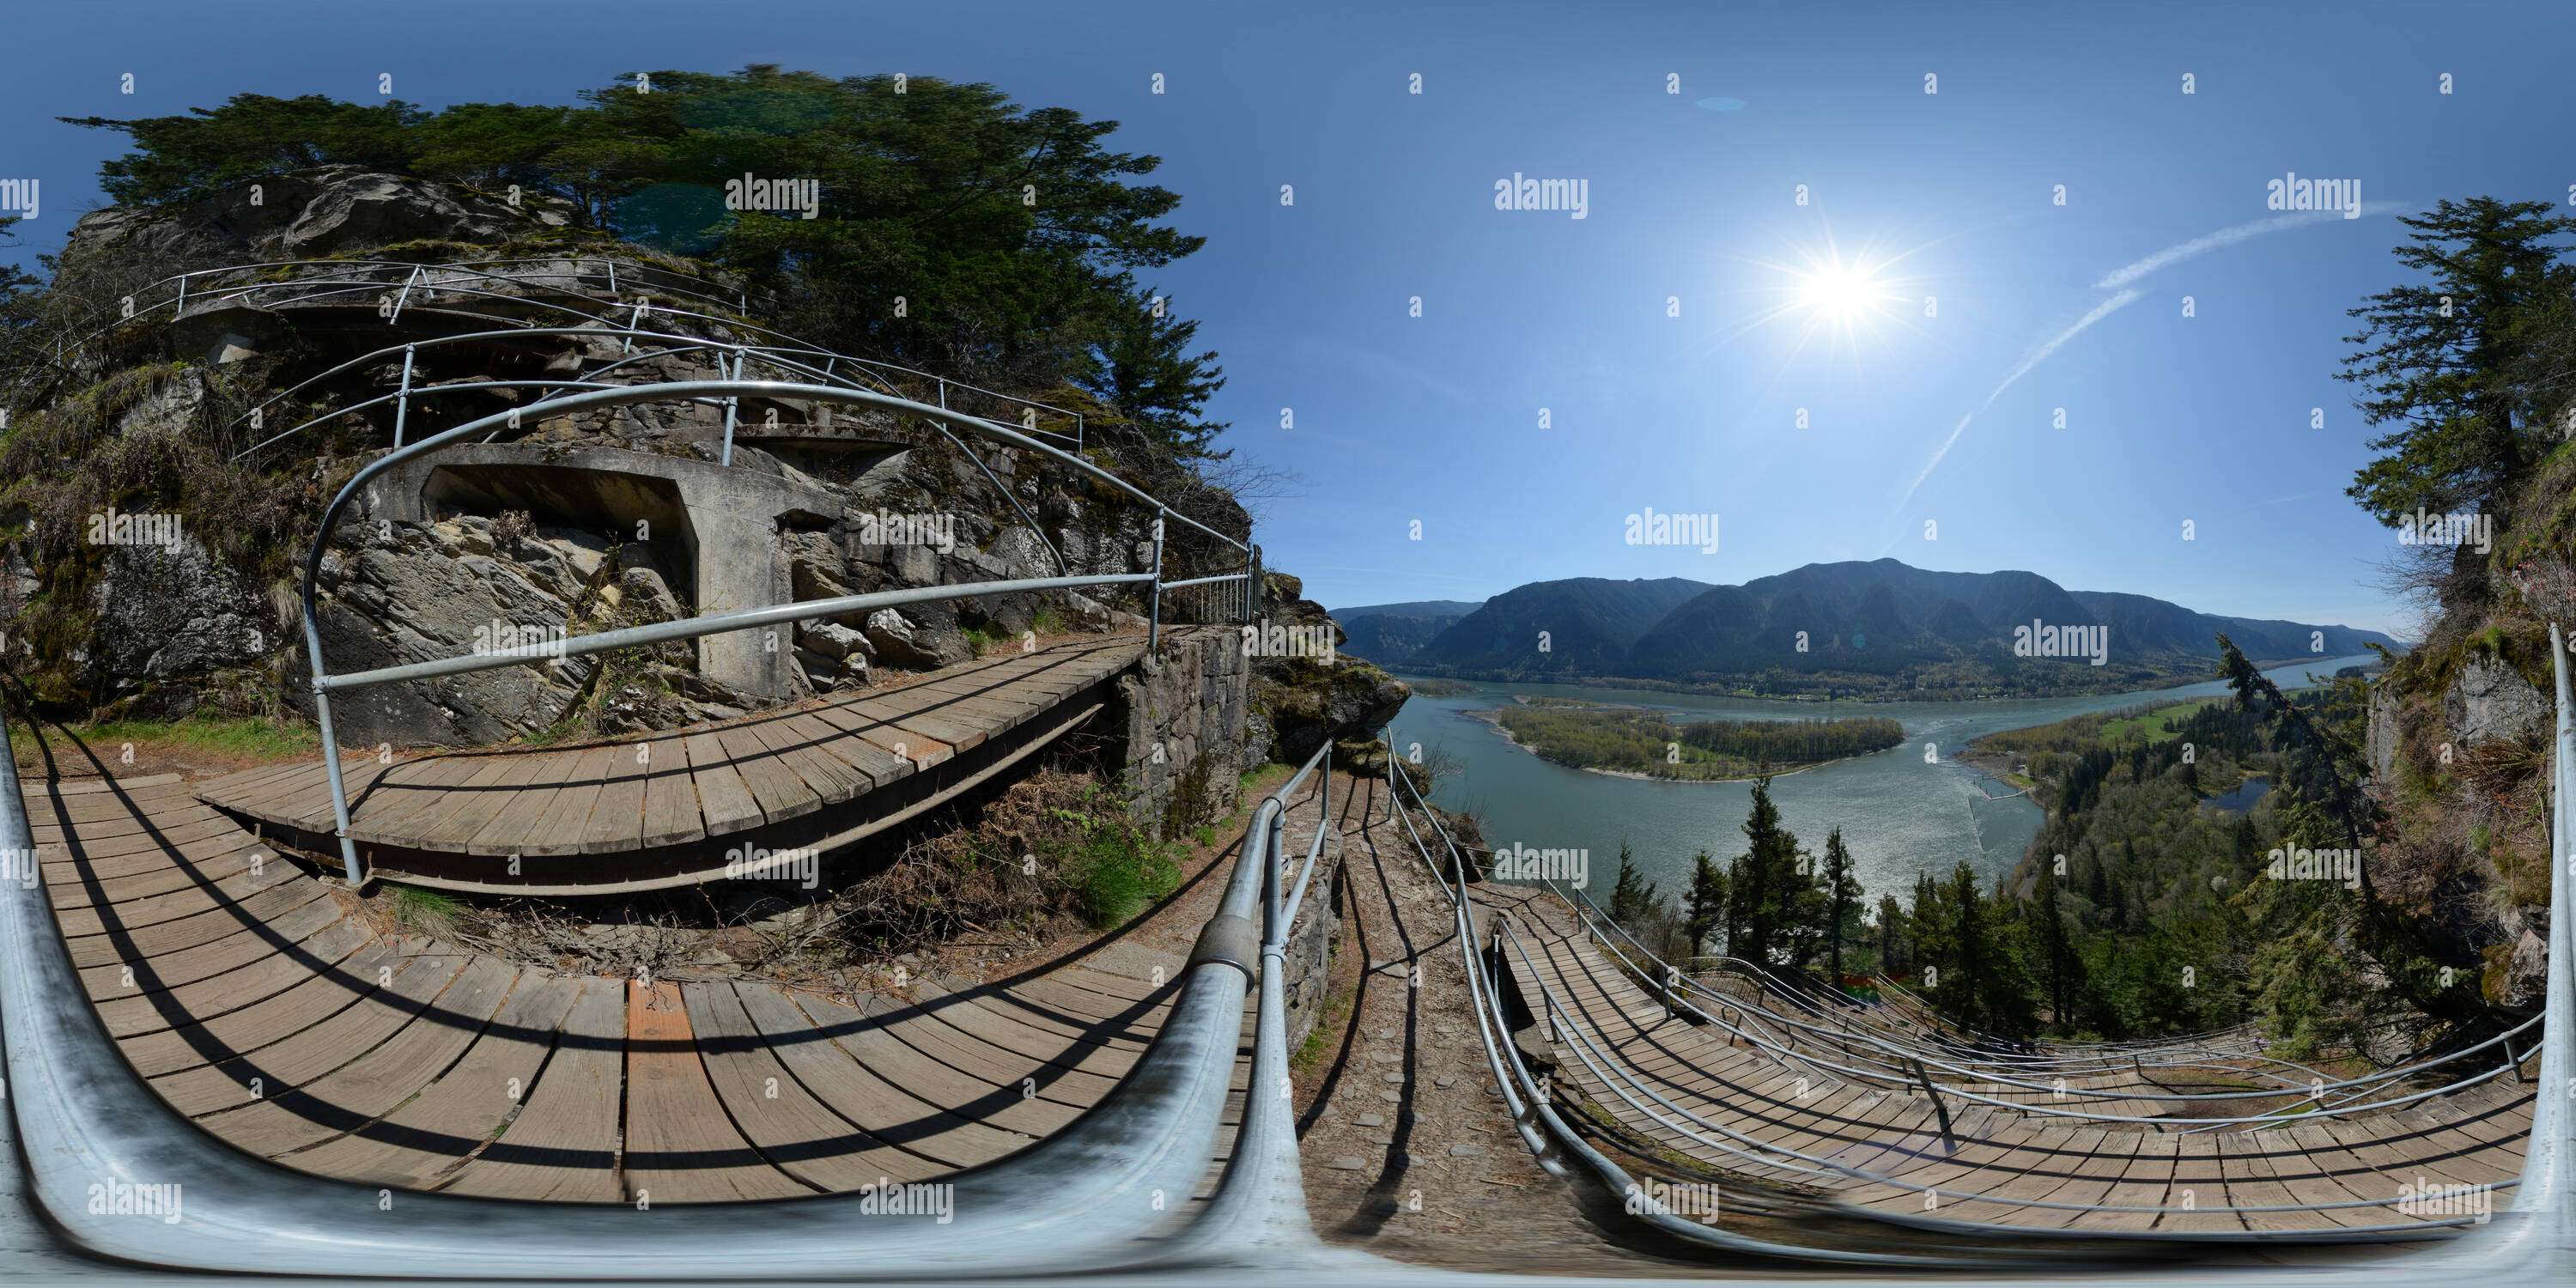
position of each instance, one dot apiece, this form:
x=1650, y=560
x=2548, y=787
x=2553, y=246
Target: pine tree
x=1632, y=896
x=2445, y=358
x=1774, y=896
x=2057, y=954
x=1893, y=952
x=1708, y=900
x=1842, y=894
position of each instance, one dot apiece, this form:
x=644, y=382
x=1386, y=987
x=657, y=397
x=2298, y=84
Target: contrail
x=2229, y=237
x=2100, y=311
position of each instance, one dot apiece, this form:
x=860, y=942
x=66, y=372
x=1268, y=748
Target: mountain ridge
x=1851, y=628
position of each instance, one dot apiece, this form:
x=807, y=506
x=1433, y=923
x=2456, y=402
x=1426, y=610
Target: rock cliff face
x=562, y=525
x=1301, y=699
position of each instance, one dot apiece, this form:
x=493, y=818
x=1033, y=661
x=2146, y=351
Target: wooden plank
x=670, y=796
x=140, y=977
x=412, y=1146
x=311, y=806
x=681, y=1147
x=800, y=741
x=316, y=1050
x=868, y=743
x=725, y=804
x=797, y=1132
x=617, y=817
x=884, y=1110
x=378, y=1081
x=241, y=1012
x=401, y=810
x=781, y=793
x=915, y=726
x=567, y=820
x=510, y=821
x=561, y=1144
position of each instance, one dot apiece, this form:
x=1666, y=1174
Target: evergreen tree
x=1842, y=895
x=1632, y=896
x=1774, y=893
x=1893, y=951
x=1708, y=898
x=2442, y=359
x=2058, y=959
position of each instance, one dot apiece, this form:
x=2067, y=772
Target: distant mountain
x=1390, y=634
x=1452, y=608
x=1589, y=623
x=1881, y=628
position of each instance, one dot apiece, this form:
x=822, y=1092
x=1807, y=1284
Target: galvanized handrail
x=2092, y=1116
x=323, y=682
x=470, y=269
x=1081, y=1200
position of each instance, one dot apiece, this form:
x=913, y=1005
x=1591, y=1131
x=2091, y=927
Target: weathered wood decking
x=254, y=1004
x=663, y=809
x=2115, y=1177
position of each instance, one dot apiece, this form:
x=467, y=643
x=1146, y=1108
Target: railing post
x=612, y=279
x=403, y=298
x=402, y=402
x=1154, y=623
x=730, y=404
x=1274, y=855
x=1925, y=1077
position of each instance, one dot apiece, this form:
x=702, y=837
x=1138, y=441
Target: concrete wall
x=730, y=521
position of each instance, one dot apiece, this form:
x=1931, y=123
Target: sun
x=1839, y=292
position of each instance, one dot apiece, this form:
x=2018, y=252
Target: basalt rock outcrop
x=556, y=525
x=1303, y=696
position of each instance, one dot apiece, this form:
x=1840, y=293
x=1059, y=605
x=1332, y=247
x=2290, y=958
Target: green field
x=2152, y=721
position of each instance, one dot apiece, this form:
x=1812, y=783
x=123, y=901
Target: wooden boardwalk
x=2005, y=1163
x=662, y=809
x=255, y=1004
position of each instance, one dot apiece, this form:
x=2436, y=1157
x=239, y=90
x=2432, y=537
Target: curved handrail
x=85, y=1117
x=324, y=682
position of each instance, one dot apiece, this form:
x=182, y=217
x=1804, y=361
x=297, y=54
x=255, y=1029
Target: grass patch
x=256, y=736
x=2151, y=722
x=424, y=911
x=1115, y=868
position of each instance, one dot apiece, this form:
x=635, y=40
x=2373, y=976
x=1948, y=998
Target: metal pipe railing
x=1083, y=1200
x=323, y=683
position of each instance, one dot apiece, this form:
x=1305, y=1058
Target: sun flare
x=1838, y=291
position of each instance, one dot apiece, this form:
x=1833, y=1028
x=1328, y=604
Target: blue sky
x=1436, y=418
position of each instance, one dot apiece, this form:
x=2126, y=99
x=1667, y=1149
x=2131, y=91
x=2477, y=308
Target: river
x=1900, y=815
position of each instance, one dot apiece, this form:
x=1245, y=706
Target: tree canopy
x=953, y=229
